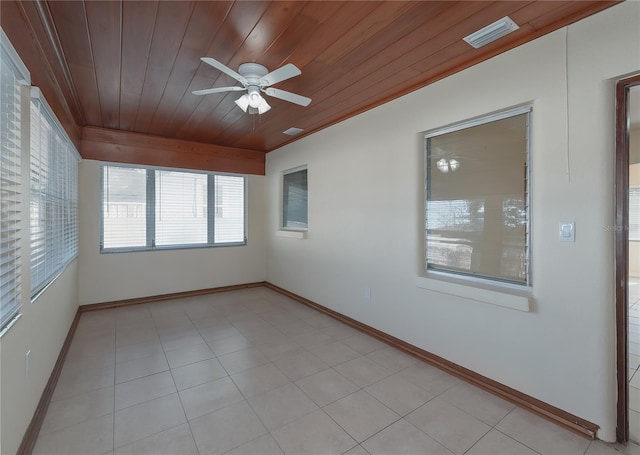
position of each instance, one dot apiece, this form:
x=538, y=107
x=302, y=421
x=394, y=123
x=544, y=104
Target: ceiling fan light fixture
x=243, y=102
x=492, y=32
x=254, y=96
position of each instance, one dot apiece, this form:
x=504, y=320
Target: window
x=634, y=213
x=54, y=195
x=13, y=75
x=294, y=199
x=477, y=212
x=145, y=208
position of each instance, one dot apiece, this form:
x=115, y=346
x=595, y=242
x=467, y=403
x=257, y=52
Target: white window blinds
x=54, y=195
x=149, y=208
x=13, y=75
x=181, y=208
x=124, y=207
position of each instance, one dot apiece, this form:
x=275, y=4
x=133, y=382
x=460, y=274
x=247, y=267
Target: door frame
x=622, y=252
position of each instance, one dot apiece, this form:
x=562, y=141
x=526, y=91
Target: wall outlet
x=27, y=362
x=367, y=293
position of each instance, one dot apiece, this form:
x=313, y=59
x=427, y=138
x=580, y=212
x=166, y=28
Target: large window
x=54, y=195
x=13, y=75
x=294, y=199
x=477, y=211
x=146, y=208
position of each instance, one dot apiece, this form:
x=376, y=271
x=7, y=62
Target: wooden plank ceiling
x=133, y=64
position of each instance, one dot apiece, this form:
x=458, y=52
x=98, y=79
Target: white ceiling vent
x=492, y=32
x=293, y=131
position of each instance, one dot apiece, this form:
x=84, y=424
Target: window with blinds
x=294, y=199
x=54, y=195
x=150, y=208
x=477, y=211
x=13, y=75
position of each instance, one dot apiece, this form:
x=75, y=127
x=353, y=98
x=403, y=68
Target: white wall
x=366, y=217
x=117, y=276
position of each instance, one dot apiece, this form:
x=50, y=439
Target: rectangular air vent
x=492, y=32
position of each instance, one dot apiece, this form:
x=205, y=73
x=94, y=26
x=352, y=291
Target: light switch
x=567, y=231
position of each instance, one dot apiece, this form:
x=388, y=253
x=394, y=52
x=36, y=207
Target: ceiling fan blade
x=209, y=91
x=281, y=74
x=288, y=96
x=224, y=68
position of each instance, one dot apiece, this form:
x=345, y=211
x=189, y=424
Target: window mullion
x=211, y=209
x=151, y=208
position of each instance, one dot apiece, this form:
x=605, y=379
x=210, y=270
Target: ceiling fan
x=256, y=78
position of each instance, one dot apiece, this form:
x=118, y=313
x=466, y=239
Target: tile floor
x=634, y=358
x=253, y=372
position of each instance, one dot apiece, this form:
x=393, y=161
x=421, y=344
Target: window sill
x=505, y=295
x=291, y=234
x=11, y=323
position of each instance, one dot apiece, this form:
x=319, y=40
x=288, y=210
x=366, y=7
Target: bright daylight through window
x=148, y=208
x=477, y=187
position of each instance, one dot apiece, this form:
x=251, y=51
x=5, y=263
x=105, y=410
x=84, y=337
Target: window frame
x=283, y=220
x=150, y=244
x=471, y=278
x=10, y=60
x=69, y=250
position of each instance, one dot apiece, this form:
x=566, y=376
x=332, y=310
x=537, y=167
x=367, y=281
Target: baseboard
x=556, y=415
x=31, y=435
x=161, y=297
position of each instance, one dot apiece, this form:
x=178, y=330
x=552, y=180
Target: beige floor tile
x=326, y=386
x=134, y=369
x=280, y=406
x=181, y=339
x=601, y=448
x=335, y=353
x=76, y=381
x=174, y=441
x=226, y=429
x=242, y=360
x=93, y=436
x=197, y=373
x=298, y=366
x=363, y=344
x=278, y=350
x=341, y=331
x=363, y=371
x=77, y=409
x=357, y=450
x=314, y=433
x=135, y=335
x=392, y=359
x=218, y=331
x=480, y=404
x=259, y=379
x=188, y=354
x=540, y=435
x=145, y=419
x=361, y=415
x=399, y=395
x=313, y=339
x=221, y=346
x=143, y=389
x=263, y=445
x=451, y=427
x=209, y=397
x=403, y=438
x=496, y=443
x=634, y=425
x=430, y=378
x=138, y=351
